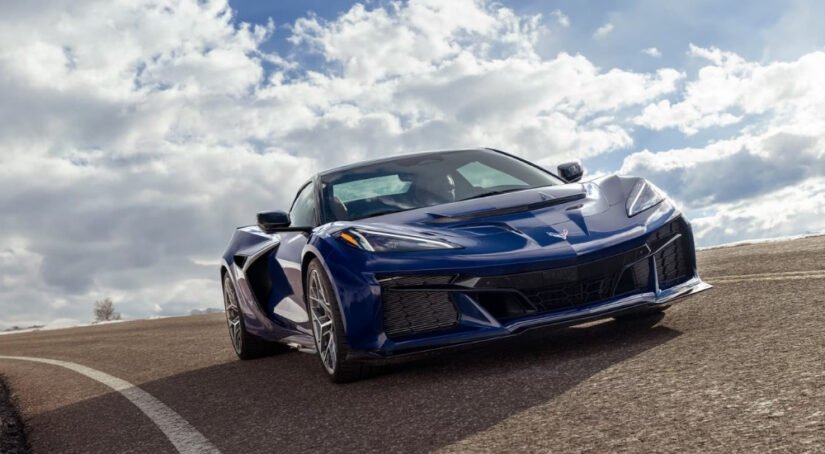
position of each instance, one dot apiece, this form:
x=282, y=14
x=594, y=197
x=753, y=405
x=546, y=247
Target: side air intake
x=410, y=311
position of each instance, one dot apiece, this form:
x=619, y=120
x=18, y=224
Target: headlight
x=375, y=241
x=643, y=196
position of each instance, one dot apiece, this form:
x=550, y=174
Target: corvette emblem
x=562, y=234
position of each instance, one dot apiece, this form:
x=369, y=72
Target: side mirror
x=272, y=221
x=571, y=172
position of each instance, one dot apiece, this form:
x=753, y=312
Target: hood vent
x=504, y=211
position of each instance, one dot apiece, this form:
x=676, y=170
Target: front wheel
x=328, y=328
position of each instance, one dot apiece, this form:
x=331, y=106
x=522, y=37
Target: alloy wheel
x=323, y=327
x=233, y=316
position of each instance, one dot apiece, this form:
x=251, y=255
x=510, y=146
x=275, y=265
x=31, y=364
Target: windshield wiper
x=489, y=193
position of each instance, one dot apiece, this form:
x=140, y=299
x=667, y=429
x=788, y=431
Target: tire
x=644, y=314
x=246, y=345
x=328, y=328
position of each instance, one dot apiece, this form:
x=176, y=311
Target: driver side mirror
x=571, y=172
x=272, y=221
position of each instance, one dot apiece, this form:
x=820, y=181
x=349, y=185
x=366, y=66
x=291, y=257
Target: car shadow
x=284, y=403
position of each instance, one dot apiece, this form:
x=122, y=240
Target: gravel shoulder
x=12, y=431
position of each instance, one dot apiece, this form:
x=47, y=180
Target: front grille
x=408, y=311
x=571, y=294
x=635, y=278
x=673, y=264
x=414, y=280
x=567, y=287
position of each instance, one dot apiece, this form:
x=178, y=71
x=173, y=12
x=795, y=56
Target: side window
x=303, y=210
x=485, y=177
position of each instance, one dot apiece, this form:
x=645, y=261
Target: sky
x=136, y=135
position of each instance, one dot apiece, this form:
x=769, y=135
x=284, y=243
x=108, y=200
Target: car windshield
x=425, y=180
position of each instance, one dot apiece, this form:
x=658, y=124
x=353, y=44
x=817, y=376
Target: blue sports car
x=397, y=256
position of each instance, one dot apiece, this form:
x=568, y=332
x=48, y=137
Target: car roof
x=393, y=158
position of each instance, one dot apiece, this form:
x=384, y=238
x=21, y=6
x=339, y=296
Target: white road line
x=774, y=274
x=183, y=436
x=790, y=276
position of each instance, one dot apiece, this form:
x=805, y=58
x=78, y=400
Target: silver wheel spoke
x=315, y=299
x=323, y=327
x=233, y=316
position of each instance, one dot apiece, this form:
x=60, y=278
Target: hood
x=565, y=220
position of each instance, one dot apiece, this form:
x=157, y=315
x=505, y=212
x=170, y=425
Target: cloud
x=377, y=43
x=731, y=170
x=731, y=89
x=461, y=80
x=790, y=210
x=775, y=159
x=561, y=18
x=121, y=161
x=603, y=31
x=652, y=51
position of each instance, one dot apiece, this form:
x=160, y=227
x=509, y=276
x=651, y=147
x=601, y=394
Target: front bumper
x=404, y=313
x=619, y=306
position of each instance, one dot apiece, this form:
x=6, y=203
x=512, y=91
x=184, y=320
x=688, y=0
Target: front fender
x=357, y=292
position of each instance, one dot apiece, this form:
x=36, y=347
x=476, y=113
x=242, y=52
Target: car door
x=304, y=213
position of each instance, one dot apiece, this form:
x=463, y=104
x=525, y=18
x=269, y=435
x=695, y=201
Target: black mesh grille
x=665, y=233
x=673, y=262
x=413, y=280
x=562, y=296
x=419, y=311
x=562, y=288
x=635, y=278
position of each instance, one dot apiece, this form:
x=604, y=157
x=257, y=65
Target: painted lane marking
x=185, y=438
x=782, y=273
x=789, y=275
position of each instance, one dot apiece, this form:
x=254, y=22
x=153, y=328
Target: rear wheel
x=328, y=328
x=246, y=345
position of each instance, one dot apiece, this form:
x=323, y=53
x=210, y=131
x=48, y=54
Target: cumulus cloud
x=452, y=74
x=652, y=51
x=766, y=178
x=124, y=151
x=792, y=210
x=730, y=170
x=561, y=18
x=731, y=88
x=603, y=31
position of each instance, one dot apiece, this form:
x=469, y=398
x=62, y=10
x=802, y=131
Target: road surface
x=740, y=367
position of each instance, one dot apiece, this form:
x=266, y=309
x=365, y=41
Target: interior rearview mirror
x=571, y=172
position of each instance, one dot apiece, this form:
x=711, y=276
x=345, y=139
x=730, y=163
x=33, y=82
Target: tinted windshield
x=426, y=180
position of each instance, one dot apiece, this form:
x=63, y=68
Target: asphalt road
x=739, y=368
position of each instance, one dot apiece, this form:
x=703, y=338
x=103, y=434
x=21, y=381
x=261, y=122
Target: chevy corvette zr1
x=419, y=252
